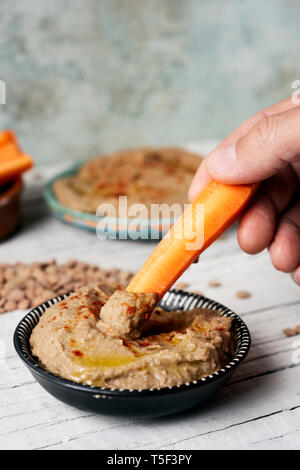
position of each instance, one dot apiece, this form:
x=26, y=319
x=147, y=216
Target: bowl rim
x=243, y=344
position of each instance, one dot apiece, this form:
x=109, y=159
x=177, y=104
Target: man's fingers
x=285, y=248
x=264, y=148
x=269, y=146
x=245, y=127
x=296, y=275
x=200, y=180
x=281, y=187
x=257, y=225
x=201, y=177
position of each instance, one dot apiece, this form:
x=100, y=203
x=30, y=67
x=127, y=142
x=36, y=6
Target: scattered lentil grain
x=243, y=294
x=24, y=304
x=289, y=331
x=214, y=284
x=26, y=285
x=181, y=285
x=10, y=305
x=198, y=292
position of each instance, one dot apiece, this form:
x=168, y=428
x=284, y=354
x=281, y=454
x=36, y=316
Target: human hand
x=265, y=149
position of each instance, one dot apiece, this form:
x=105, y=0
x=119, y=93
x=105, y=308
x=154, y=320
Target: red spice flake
x=101, y=185
x=77, y=353
x=220, y=328
x=118, y=194
x=129, y=346
x=129, y=308
x=144, y=344
x=90, y=313
x=52, y=319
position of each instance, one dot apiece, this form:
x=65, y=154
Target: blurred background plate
x=106, y=227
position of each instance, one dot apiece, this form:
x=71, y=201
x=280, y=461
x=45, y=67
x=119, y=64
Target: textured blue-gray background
x=85, y=76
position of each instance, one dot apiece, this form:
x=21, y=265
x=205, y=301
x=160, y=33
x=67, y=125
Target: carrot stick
x=12, y=161
x=216, y=208
x=11, y=168
x=8, y=136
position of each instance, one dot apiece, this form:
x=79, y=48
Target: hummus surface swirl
x=128, y=347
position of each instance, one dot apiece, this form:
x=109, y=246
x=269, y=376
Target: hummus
x=146, y=176
x=109, y=338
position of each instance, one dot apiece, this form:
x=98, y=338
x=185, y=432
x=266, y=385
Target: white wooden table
x=258, y=409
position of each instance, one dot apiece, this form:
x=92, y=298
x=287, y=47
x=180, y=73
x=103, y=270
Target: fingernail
x=222, y=161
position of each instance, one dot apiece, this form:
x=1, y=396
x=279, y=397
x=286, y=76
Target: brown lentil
x=26, y=285
x=243, y=294
x=289, y=331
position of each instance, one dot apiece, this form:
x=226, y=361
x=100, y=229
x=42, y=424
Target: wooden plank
x=279, y=431
x=237, y=404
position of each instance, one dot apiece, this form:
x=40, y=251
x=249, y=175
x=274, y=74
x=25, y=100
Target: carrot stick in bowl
x=216, y=208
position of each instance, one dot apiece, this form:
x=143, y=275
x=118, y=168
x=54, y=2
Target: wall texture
x=85, y=76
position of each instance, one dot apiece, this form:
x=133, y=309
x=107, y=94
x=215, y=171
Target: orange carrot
x=8, y=136
x=220, y=205
x=8, y=151
x=12, y=161
x=10, y=169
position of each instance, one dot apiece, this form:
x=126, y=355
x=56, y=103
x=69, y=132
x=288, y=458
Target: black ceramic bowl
x=142, y=403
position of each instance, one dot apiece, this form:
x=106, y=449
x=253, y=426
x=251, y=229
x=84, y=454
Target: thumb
x=270, y=145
